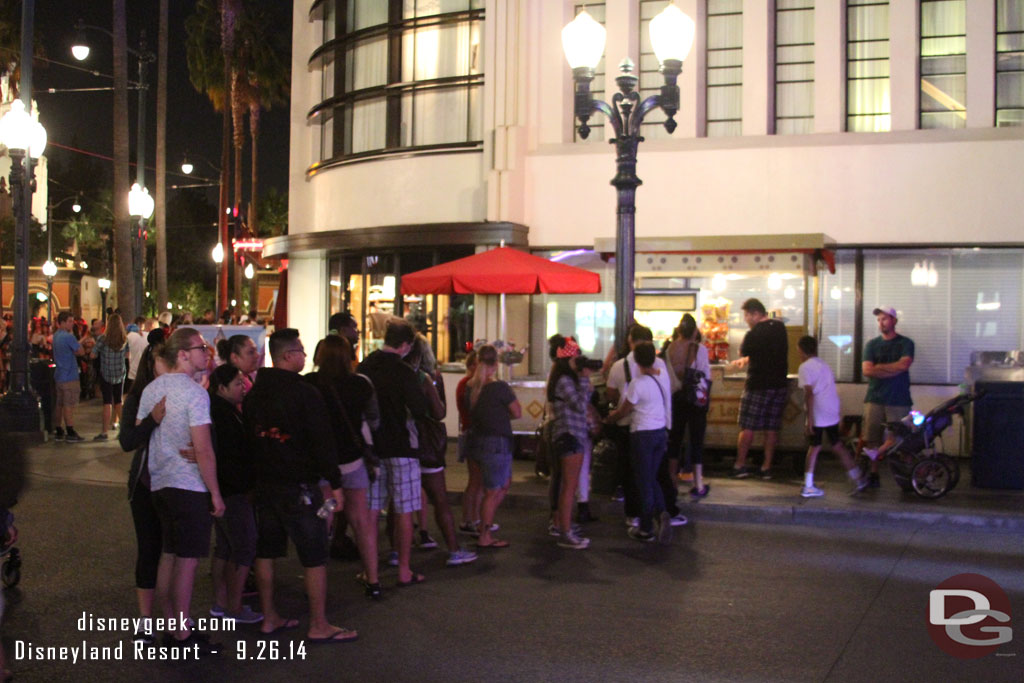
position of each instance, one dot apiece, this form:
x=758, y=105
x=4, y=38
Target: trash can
x=997, y=430
x=40, y=374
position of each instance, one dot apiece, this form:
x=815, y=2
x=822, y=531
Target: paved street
x=725, y=602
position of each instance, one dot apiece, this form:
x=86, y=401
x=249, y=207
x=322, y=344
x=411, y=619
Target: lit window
x=1009, y=62
x=867, y=66
x=725, y=68
x=794, y=66
x=943, y=63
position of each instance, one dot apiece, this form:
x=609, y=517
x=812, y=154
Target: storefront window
x=838, y=294
x=1009, y=62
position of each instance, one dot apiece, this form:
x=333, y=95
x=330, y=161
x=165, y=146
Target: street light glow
x=49, y=269
x=249, y=272
x=218, y=253
x=19, y=131
x=140, y=204
x=104, y=283
x=672, y=32
x=583, y=41
x=186, y=167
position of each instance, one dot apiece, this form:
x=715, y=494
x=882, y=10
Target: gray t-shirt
x=187, y=406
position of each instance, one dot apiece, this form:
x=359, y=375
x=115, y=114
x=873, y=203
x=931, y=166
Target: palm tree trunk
x=238, y=107
x=122, y=221
x=254, y=136
x=228, y=14
x=161, y=162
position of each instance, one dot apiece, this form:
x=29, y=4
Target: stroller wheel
x=953, y=467
x=931, y=478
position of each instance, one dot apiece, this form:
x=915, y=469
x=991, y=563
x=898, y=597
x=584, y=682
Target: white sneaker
x=811, y=492
x=459, y=557
x=872, y=453
x=553, y=529
x=678, y=520
x=632, y=522
x=572, y=541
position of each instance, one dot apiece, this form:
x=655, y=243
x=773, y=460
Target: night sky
x=84, y=119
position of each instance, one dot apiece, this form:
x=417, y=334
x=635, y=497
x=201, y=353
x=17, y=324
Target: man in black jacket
x=400, y=398
x=287, y=423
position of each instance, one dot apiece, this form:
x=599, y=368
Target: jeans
x=647, y=450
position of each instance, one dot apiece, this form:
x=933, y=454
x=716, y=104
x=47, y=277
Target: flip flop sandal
x=349, y=636
x=416, y=578
x=286, y=625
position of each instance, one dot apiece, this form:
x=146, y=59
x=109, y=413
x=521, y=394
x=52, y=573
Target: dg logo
x=969, y=616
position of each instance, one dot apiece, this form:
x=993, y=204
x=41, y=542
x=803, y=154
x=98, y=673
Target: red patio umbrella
x=502, y=271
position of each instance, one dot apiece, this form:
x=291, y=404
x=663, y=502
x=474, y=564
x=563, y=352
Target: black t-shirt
x=398, y=396
x=767, y=347
x=352, y=394
x=489, y=416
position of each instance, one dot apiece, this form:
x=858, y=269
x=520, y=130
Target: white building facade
x=887, y=132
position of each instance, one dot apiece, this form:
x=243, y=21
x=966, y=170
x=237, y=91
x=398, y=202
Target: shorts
x=875, y=417
x=494, y=455
x=399, y=482
x=111, y=392
x=68, y=393
x=565, y=444
x=235, y=532
x=185, y=520
x=282, y=513
x=354, y=475
x=832, y=432
x=761, y=409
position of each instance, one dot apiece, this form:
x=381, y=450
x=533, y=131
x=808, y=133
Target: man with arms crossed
x=887, y=361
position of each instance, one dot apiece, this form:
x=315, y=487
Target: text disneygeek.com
x=138, y=649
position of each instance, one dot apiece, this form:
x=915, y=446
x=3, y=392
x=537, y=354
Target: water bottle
x=327, y=509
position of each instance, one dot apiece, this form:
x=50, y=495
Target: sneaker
x=244, y=616
x=811, y=492
x=144, y=633
x=469, y=529
x=619, y=495
x=393, y=558
x=553, y=529
x=766, y=474
x=460, y=556
x=58, y=434
x=632, y=522
x=702, y=492
x=373, y=590
x=216, y=611
x=740, y=473
x=572, y=541
x=872, y=453
x=100, y=437
x=426, y=541
x=639, y=534
x=678, y=519
x=665, y=528
x=73, y=436
x=873, y=482
x=861, y=484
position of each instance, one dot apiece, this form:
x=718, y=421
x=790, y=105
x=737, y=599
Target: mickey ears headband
x=568, y=350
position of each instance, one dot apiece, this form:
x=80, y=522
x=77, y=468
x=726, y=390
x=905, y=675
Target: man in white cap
x=887, y=361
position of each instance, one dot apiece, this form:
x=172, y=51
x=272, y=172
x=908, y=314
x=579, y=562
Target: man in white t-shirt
x=822, y=406
x=137, y=345
x=621, y=374
x=647, y=406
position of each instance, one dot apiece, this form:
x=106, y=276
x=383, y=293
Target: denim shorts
x=494, y=455
x=356, y=477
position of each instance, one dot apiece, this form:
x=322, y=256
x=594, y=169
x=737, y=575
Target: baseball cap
x=888, y=310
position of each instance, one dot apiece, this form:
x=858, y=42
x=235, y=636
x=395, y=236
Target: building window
x=867, y=66
x=794, y=66
x=1009, y=62
x=651, y=79
x=943, y=63
x=400, y=75
x=598, y=85
x=725, y=68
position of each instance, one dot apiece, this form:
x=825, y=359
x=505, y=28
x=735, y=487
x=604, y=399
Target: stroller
x=915, y=463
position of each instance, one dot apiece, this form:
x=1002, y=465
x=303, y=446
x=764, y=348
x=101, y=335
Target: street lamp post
x=140, y=206
x=672, y=33
x=19, y=407
x=104, y=284
x=218, y=258
x=50, y=268
x=80, y=51
x=49, y=271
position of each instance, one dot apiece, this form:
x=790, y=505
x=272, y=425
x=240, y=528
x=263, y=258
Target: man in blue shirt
x=65, y=350
x=887, y=360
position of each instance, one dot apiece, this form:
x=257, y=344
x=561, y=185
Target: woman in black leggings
x=147, y=525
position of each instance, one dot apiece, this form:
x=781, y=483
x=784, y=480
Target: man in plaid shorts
x=765, y=355
x=399, y=397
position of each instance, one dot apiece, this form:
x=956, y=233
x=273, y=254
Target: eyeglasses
x=204, y=347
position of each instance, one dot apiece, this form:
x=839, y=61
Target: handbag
x=693, y=393
x=433, y=439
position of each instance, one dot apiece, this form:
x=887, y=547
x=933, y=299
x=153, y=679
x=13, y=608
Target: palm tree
x=161, y=162
x=124, y=274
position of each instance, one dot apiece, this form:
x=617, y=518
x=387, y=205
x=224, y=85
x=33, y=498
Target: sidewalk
x=750, y=500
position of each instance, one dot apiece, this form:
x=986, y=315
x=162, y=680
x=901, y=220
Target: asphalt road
x=724, y=602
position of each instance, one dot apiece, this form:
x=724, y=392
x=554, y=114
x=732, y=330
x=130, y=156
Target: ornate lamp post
x=19, y=407
x=218, y=257
x=104, y=284
x=140, y=206
x=49, y=271
x=672, y=34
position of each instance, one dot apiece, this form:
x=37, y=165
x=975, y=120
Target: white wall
x=903, y=187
